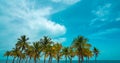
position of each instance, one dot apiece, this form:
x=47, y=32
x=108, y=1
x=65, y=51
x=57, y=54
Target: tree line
x=25, y=52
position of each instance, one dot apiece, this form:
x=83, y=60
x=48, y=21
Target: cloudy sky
x=62, y=20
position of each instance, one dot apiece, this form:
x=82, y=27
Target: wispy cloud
x=68, y=2
x=101, y=13
x=102, y=34
x=23, y=18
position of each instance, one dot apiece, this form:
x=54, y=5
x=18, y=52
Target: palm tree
x=58, y=53
x=7, y=53
x=36, y=49
x=71, y=54
x=45, y=41
x=15, y=53
x=96, y=52
x=29, y=53
x=22, y=44
x=87, y=54
x=79, y=43
x=65, y=52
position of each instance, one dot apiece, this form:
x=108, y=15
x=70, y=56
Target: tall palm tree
x=79, y=44
x=50, y=52
x=29, y=53
x=22, y=44
x=87, y=53
x=7, y=54
x=45, y=41
x=15, y=53
x=65, y=52
x=36, y=48
x=96, y=52
x=58, y=48
x=71, y=54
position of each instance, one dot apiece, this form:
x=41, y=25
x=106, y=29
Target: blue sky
x=62, y=20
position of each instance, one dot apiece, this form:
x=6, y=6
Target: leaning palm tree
x=65, y=52
x=79, y=43
x=96, y=52
x=7, y=54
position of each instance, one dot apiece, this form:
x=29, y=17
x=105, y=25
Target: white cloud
x=22, y=19
x=107, y=31
x=101, y=13
x=69, y=2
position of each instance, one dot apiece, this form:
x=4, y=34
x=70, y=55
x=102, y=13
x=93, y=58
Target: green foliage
x=49, y=49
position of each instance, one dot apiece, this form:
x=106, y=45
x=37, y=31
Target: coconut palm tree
x=58, y=48
x=29, y=53
x=36, y=49
x=22, y=44
x=71, y=53
x=79, y=43
x=7, y=54
x=65, y=52
x=45, y=41
x=96, y=52
x=87, y=53
x=15, y=53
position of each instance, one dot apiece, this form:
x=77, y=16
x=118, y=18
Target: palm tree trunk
x=95, y=59
x=19, y=60
x=7, y=60
x=70, y=60
x=82, y=58
x=44, y=59
x=79, y=59
x=29, y=59
x=51, y=59
x=66, y=59
x=58, y=61
x=34, y=60
x=13, y=60
x=26, y=60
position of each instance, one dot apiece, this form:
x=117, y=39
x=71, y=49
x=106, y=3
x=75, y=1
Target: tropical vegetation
x=25, y=51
